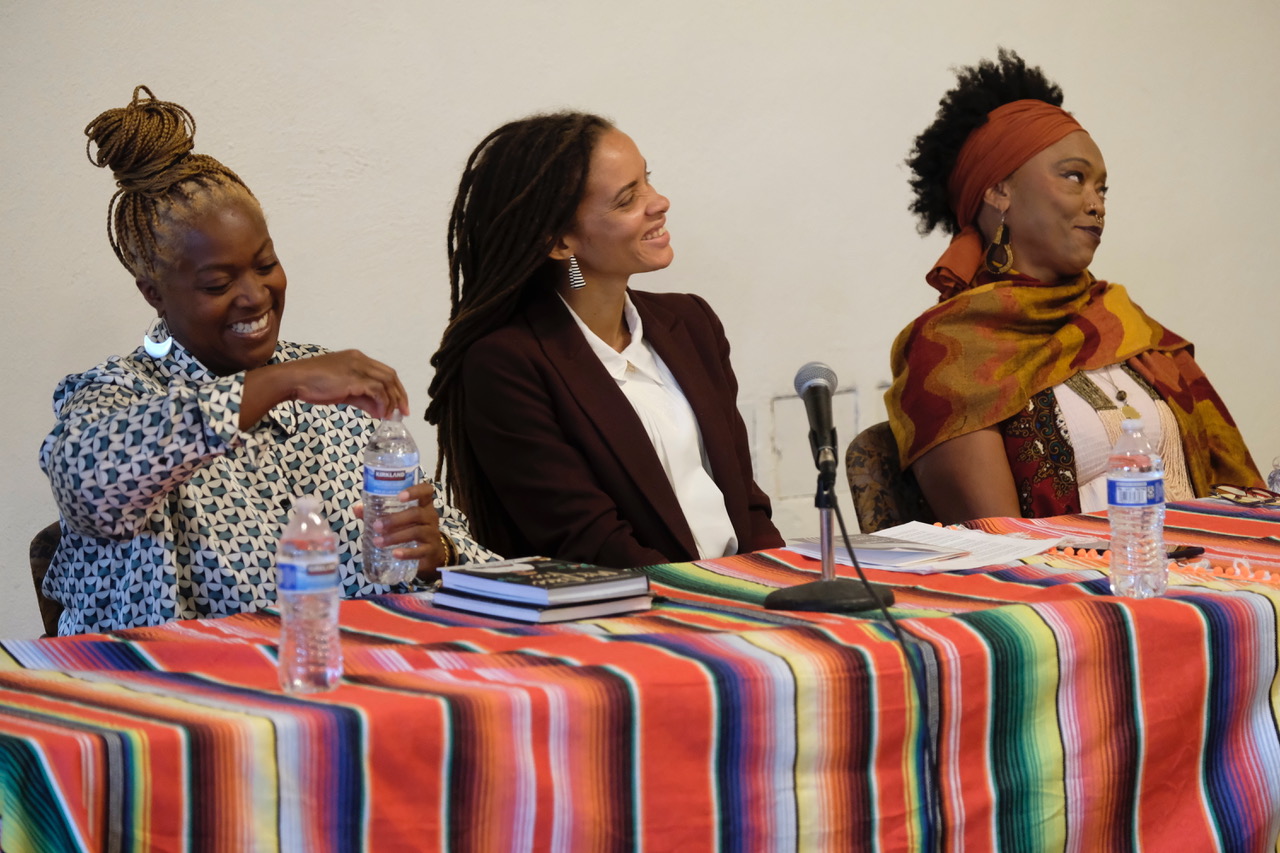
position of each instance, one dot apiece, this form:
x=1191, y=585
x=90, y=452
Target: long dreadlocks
x=518, y=195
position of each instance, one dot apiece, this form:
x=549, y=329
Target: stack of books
x=537, y=589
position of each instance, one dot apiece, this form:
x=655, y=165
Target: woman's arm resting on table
x=968, y=477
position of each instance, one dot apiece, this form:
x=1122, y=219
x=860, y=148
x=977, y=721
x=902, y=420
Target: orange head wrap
x=1012, y=134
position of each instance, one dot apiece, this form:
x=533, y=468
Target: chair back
x=883, y=494
x=42, y=549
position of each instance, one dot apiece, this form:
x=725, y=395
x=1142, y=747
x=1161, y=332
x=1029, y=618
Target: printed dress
x=170, y=511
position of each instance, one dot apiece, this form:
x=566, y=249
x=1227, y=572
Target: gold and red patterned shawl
x=974, y=360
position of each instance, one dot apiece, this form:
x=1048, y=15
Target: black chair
x=883, y=494
x=42, y=549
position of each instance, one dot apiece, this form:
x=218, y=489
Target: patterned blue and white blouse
x=171, y=511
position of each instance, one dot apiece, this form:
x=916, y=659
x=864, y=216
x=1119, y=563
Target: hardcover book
x=538, y=580
x=526, y=612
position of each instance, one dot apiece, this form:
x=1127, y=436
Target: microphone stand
x=824, y=499
x=830, y=594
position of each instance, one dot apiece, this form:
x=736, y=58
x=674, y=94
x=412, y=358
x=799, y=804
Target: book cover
x=526, y=612
x=539, y=580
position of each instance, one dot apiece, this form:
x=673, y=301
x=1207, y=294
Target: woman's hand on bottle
x=417, y=528
x=349, y=377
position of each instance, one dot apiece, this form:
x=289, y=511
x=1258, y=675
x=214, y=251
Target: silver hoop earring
x=156, y=340
x=576, y=281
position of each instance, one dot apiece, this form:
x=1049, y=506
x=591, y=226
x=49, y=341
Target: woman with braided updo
x=174, y=467
x=1008, y=394
x=578, y=418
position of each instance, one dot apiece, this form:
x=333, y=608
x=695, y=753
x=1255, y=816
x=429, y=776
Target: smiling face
x=620, y=227
x=222, y=294
x=1054, y=208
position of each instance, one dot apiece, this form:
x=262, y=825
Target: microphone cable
x=932, y=780
x=817, y=375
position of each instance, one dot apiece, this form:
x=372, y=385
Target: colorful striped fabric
x=1058, y=718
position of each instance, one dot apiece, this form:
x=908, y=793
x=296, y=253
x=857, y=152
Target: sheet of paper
x=984, y=549
x=880, y=551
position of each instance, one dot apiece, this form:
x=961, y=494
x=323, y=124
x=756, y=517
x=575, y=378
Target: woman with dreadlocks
x=1008, y=394
x=174, y=467
x=578, y=418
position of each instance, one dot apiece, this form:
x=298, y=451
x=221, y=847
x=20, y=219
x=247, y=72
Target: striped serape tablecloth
x=1057, y=718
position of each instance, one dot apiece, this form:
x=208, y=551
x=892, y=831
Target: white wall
x=777, y=129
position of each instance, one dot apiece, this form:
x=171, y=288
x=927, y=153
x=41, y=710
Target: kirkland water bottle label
x=308, y=573
x=1149, y=492
x=389, y=482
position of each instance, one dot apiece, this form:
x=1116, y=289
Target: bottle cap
x=307, y=506
x=1130, y=424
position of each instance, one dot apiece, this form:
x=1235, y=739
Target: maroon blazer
x=568, y=467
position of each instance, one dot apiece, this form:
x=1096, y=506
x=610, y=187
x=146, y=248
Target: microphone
x=815, y=383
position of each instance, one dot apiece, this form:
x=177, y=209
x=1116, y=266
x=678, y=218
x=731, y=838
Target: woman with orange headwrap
x=1008, y=394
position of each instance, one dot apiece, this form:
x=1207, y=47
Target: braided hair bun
x=161, y=184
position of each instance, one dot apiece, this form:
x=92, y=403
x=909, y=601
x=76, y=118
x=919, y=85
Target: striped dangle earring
x=576, y=281
x=156, y=340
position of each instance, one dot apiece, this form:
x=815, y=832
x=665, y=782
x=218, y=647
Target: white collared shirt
x=668, y=420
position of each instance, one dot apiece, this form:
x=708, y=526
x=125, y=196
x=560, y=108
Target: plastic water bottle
x=1135, y=507
x=390, y=467
x=310, y=655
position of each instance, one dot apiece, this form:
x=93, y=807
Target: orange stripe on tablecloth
x=1172, y=810
x=405, y=793
x=899, y=805
x=1263, y=523
x=676, y=715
